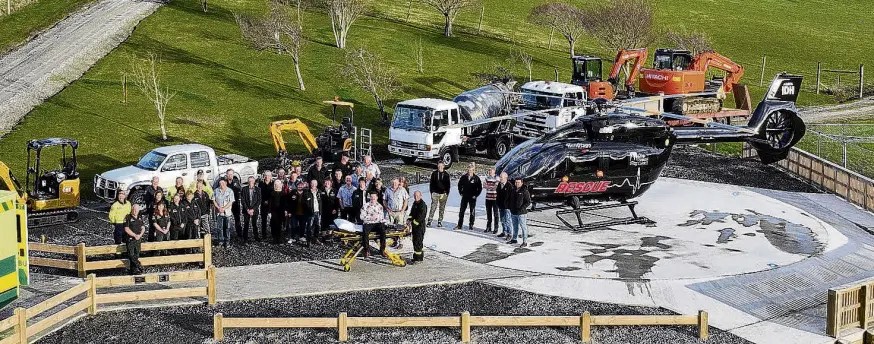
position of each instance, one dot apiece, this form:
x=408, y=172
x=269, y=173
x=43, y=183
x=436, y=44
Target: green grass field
x=24, y=23
x=227, y=93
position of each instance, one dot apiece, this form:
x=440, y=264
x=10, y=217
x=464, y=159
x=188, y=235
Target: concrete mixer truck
x=441, y=130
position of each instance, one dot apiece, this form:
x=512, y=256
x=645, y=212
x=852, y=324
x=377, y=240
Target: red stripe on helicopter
x=582, y=187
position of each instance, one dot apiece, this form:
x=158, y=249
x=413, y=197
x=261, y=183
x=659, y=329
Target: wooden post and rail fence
x=83, y=265
x=852, y=186
x=465, y=321
x=25, y=325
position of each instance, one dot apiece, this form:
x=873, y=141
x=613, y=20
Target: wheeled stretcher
x=350, y=234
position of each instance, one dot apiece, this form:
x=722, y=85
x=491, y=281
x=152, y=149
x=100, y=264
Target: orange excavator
x=678, y=72
x=622, y=58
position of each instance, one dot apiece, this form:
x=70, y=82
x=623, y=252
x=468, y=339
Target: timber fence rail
x=464, y=322
x=22, y=330
x=850, y=306
x=81, y=254
x=852, y=186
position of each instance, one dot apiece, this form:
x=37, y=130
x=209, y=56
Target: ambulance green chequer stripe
x=8, y=265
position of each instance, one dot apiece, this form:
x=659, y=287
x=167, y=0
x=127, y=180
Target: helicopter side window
x=175, y=163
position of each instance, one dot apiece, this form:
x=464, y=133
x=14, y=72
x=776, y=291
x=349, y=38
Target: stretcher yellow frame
x=353, y=241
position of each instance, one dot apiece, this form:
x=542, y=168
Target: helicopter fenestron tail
x=774, y=127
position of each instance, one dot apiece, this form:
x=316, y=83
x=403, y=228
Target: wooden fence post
x=342, y=329
x=868, y=337
x=762, y=77
x=218, y=332
x=465, y=327
x=818, y=73
x=80, y=259
x=92, y=294
x=210, y=285
x=207, y=250
x=481, y=14
x=586, y=327
x=864, y=295
x=21, y=329
x=702, y=325
x=832, y=326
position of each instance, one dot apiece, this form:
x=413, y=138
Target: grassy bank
x=28, y=21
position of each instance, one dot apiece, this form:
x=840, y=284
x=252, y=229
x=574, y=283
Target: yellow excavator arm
x=276, y=129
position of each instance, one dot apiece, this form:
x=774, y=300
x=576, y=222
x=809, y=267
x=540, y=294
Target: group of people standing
x=506, y=203
x=178, y=213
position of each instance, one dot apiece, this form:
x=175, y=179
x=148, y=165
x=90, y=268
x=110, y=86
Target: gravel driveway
x=45, y=65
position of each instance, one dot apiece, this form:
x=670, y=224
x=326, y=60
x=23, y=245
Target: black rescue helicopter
x=604, y=160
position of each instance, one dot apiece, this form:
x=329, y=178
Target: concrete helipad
x=701, y=230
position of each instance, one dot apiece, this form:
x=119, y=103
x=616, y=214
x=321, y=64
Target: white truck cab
x=168, y=163
x=546, y=95
x=418, y=130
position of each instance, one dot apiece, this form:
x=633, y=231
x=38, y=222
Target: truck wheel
x=137, y=196
x=502, y=146
x=408, y=160
x=446, y=157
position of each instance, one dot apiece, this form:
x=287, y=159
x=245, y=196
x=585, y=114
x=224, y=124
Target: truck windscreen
x=539, y=100
x=411, y=118
x=151, y=161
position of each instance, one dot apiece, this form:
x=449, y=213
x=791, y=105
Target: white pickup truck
x=168, y=163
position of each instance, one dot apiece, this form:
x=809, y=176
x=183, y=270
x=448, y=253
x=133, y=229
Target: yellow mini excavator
x=52, y=196
x=333, y=142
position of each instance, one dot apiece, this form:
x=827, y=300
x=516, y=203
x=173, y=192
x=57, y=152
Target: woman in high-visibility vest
x=117, y=212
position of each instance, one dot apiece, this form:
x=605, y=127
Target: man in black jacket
x=250, y=206
x=318, y=172
x=343, y=166
x=416, y=221
x=439, y=193
x=311, y=206
x=502, y=201
x=469, y=187
x=359, y=197
x=330, y=206
x=266, y=186
x=520, y=200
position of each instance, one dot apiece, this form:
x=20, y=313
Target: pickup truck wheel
x=446, y=157
x=408, y=160
x=137, y=196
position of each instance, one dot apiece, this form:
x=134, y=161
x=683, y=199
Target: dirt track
x=54, y=58
x=859, y=109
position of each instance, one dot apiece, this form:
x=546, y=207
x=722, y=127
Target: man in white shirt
x=223, y=201
x=395, y=199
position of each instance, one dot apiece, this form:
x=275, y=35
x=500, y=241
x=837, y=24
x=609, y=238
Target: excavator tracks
x=49, y=218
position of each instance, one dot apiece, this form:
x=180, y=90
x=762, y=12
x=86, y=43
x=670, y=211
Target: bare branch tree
x=561, y=17
x=277, y=33
x=449, y=9
x=420, y=58
x=204, y=6
x=368, y=71
x=621, y=24
x=498, y=73
x=696, y=42
x=147, y=77
x=526, y=59
x=343, y=13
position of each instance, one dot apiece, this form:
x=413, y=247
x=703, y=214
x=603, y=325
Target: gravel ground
x=193, y=324
x=861, y=109
x=686, y=163
x=45, y=65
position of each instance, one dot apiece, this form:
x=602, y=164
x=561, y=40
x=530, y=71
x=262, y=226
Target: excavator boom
x=622, y=57
x=705, y=60
x=276, y=129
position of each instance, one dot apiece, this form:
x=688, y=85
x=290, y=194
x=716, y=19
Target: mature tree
x=148, y=79
x=278, y=33
x=696, y=42
x=367, y=70
x=621, y=24
x=561, y=17
x=343, y=13
x=449, y=9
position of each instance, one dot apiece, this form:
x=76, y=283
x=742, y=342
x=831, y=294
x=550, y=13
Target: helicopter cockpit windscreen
x=532, y=158
x=412, y=118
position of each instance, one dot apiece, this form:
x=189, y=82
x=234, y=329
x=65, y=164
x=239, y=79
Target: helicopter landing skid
x=589, y=211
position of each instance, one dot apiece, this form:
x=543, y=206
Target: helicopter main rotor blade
x=690, y=119
x=506, y=117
